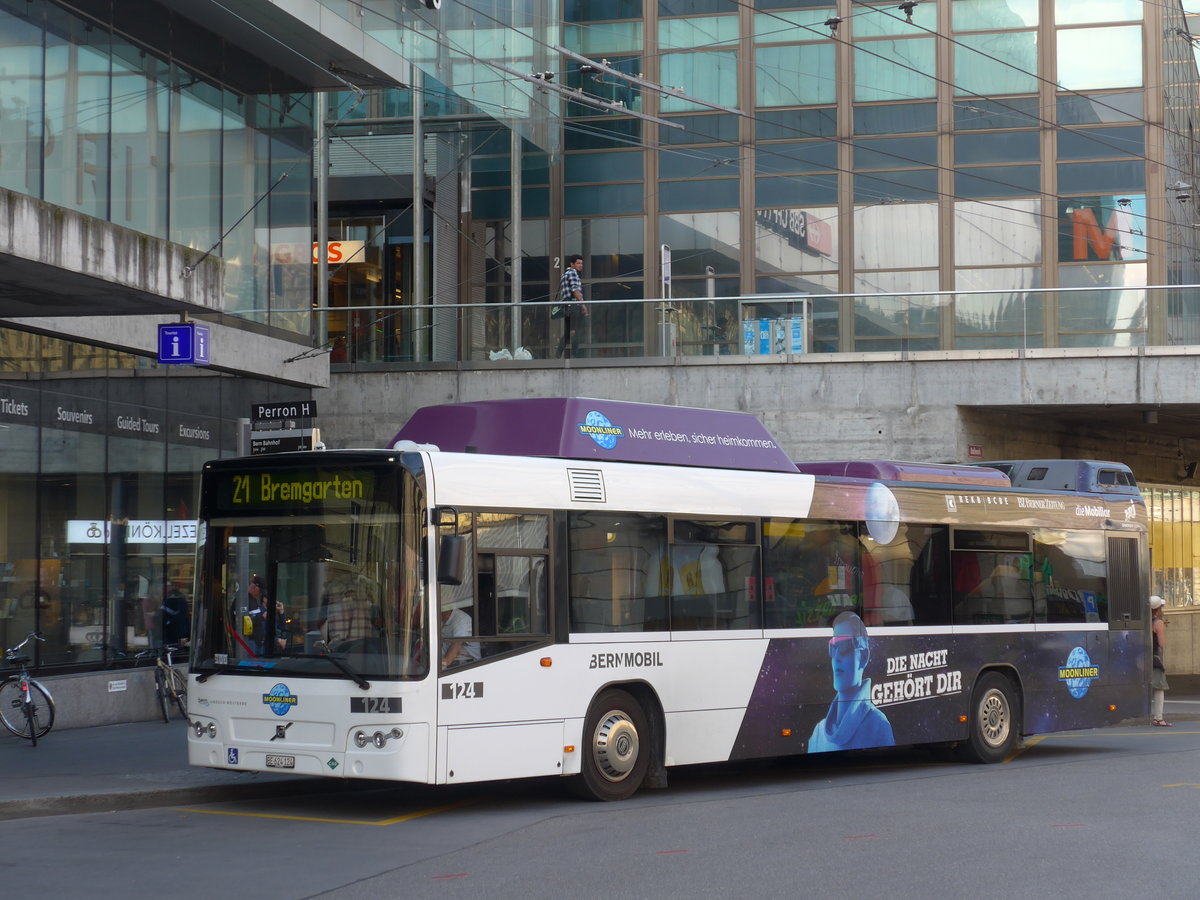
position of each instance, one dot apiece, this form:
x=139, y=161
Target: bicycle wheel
x=160, y=691
x=11, y=715
x=31, y=724
x=179, y=693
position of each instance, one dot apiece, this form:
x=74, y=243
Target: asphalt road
x=1096, y=814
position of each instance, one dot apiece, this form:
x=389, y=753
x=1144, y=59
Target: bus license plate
x=280, y=762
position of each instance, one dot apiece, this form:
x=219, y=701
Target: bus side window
x=813, y=572
x=930, y=579
x=619, y=572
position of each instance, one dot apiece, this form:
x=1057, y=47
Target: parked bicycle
x=26, y=707
x=169, y=684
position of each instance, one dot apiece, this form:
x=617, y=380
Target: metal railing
x=775, y=325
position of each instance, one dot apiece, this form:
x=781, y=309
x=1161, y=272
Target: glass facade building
x=100, y=455
x=100, y=449
x=96, y=122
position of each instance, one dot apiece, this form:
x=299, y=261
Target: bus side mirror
x=452, y=559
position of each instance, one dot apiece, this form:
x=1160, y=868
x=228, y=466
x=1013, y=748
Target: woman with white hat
x=1158, y=674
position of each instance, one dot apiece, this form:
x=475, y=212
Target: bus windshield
x=311, y=570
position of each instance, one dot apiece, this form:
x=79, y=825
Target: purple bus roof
x=926, y=473
x=580, y=428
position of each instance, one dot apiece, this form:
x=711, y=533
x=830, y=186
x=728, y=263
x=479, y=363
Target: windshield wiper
x=345, y=669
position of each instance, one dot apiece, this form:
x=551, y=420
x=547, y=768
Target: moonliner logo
x=597, y=426
x=1078, y=673
x=280, y=699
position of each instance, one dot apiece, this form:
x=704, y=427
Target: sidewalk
x=115, y=767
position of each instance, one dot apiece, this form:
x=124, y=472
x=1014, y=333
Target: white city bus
x=600, y=591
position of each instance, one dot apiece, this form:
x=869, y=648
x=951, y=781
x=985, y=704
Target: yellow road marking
x=375, y=822
x=1183, y=784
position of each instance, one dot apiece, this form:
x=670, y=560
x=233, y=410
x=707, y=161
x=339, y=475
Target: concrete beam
x=233, y=350
x=57, y=262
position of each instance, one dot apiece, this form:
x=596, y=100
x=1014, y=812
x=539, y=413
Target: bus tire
x=616, y=748
x=994, y=724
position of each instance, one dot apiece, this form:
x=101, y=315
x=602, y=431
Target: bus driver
x=456, y=627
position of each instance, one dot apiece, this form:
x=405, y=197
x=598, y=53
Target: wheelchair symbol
x=231, y=756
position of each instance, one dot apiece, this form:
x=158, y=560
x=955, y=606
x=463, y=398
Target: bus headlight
x=360, y=739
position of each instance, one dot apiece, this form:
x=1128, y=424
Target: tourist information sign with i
x=184, y=344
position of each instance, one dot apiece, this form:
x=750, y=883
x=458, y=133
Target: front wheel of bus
x=616, y=751
x=995, y=724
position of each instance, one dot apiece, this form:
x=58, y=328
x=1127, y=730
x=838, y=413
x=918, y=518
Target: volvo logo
x=281, y=731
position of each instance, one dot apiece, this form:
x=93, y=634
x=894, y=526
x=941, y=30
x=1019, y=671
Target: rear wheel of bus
x=616, y=748
x=995, y=720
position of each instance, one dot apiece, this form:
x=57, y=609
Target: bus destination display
x=292, y=489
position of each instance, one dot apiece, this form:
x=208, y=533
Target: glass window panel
x=789, y=4
x=77, y=105
x=708, y=75
x=675, y=196
x=1012, y=112
x=598, y=199
x=796, y=156
x=624, y=166
x=776, y=124
x=140, y=128
x=1124, y=175
x=1102, y=227
x=1098, y=143
x=697, y=31
x=512, y=531
x=997, y=181
x=794, y=75
x=609, y=37
x=195, y=182
x=879, y=21
x=895, y=118
x=699, y=162
x=1092, y=58
x=796, y=190
x=1074, y=109
x=599, y=10
x=898, y=322
x=616, y=565
x=21, y=101
x=1008, y=233
x=1004, y=62
x=713, y=586
x=691, y=7
x=798, y=284
x=781, y=26
x=1070, y=576
x=1016, y=146
x=1078, y=12
x=985, y=321
x=698, y=240
x=1118, y=304
x=795, y=240
x=710, y=128
x=892, y=152
x=885, y=187
x=603, y=134
x=612, y=88
x=988, y=15
x=611, y=246
x=875, y=230
x=814, y=572
x=894, y=70
x=491, y=204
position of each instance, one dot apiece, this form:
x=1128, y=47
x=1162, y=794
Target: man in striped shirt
x=570, y=300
